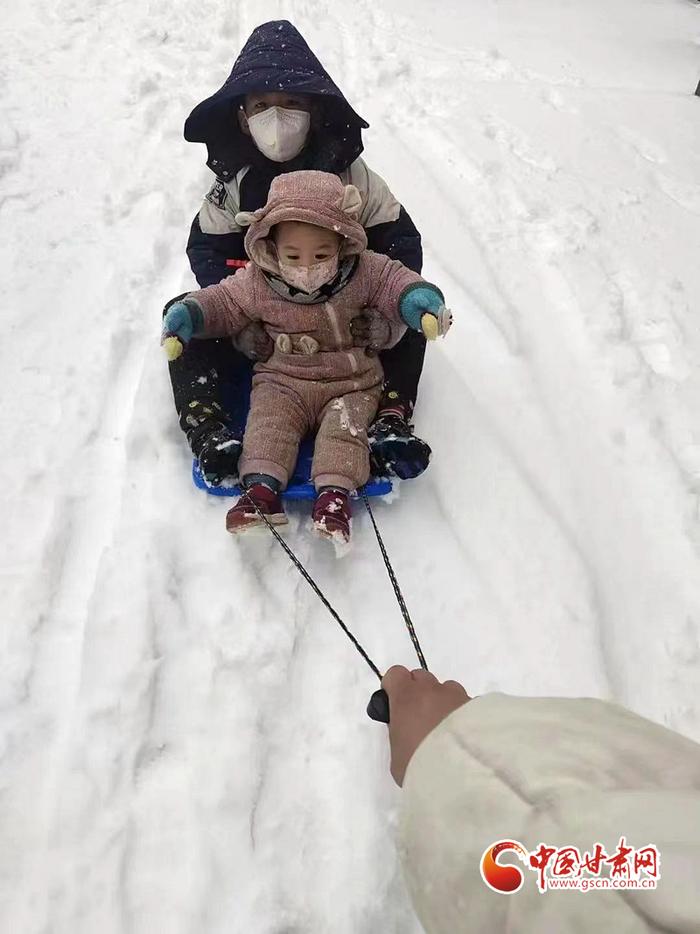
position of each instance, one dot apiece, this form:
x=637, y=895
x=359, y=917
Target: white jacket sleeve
x=220, y=206
x=379, y=206
x=556, y=771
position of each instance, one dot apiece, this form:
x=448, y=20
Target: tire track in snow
x=56, y=674
x=82, y=529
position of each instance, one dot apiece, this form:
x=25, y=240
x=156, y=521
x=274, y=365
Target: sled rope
x=314, y=586
x=395, y=585
x=322, y=597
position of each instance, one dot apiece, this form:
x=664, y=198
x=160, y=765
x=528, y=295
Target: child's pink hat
x=318, y=198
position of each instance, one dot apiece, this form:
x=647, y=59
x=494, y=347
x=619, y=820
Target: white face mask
x=280, y=134
x=310, y=278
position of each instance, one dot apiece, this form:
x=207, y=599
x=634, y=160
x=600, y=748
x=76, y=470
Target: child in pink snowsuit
x=310, y=274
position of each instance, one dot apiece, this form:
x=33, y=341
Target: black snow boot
x=394, y=449
x=214, y=443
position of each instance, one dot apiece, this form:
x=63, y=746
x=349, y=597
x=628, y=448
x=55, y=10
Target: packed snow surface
x=183, y=743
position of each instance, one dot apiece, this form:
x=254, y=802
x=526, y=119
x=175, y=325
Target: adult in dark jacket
x=279, y=111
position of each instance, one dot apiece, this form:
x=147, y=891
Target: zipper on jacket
x=335, y=324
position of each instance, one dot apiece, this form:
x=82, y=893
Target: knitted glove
x=372, y=330
x=182, y=320
x=422, y=307
x=254, y=342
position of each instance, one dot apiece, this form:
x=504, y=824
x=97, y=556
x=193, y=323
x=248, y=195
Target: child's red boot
x=244, y=515
x=332, y=514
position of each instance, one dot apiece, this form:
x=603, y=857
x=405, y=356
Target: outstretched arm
x=560, y=771
x=221, y=310
x=405, y=297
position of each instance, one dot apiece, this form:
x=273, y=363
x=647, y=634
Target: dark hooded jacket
x=277, y=58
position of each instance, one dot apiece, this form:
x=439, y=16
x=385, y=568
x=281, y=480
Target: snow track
x=183, y=746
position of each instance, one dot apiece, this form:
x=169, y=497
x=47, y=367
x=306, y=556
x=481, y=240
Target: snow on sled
x=236, y=400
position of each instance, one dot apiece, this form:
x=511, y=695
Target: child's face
x=300, y=244
x=258, y=103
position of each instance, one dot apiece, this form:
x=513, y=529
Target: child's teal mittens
x=422, y=307
x=182, y=320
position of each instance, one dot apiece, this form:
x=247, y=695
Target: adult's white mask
x=310, y=278
x=280, y=134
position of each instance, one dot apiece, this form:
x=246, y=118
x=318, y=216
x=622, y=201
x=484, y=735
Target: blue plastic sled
x=236, y=400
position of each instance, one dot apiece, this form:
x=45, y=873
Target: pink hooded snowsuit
x=316, y=379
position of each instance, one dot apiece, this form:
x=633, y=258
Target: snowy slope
x=183, y=746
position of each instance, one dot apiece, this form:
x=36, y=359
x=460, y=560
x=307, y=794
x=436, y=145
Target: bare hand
x=254, y=342
x=418, y=702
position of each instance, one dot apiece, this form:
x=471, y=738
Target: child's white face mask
x=280, y=134
x=310, y=278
